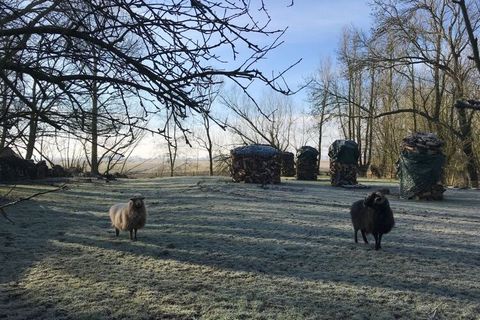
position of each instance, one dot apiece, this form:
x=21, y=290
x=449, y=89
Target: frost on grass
x=212, y=249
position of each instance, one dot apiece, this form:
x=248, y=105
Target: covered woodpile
x=288, y=164
x=256, y=164
x=343, y=163
x=420, y=167
x=13, y=167
x=307, y=158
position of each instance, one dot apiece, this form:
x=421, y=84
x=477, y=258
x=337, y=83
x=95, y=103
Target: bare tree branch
x=9, y=204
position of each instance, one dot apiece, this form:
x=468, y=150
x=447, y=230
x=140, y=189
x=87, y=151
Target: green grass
x=213, y=249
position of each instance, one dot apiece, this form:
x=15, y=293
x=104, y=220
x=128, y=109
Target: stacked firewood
x=435, y=192
x=307, y=163
x=288, y=164
x=342, y=174
x=420, y=167
x=13, y=167
x=343, y=163
x=255, y=164
x=421, y=142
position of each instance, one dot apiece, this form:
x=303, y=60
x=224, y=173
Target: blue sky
x=314, y=30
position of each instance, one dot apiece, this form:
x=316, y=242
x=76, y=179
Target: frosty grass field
x=213, y=249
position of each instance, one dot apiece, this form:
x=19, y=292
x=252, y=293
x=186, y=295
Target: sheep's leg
x=355, y=235
x=117, y=232
x=377, y=243
x=131, y=234
x=135, y=237
x=364, y=236
x=380, y=241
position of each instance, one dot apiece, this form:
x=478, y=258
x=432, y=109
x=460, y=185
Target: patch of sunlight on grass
x=213, y=249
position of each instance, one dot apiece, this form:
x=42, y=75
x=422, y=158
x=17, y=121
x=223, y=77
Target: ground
x=214, y=249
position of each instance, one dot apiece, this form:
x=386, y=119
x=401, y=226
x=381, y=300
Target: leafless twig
x=2, y=207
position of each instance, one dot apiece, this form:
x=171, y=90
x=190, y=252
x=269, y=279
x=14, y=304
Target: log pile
x=343, y=163
x=288, y=164
x=256, y=164
x=307, y=163
x=420, y=167
x=435, y=192
x=13, y=167
x=342, y=174
x=421, y=142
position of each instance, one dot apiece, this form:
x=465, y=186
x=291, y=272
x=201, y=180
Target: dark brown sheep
x=372, y=215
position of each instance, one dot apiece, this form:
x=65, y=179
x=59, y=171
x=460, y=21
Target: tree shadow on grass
x=229, y=260
x=274, y=249
x=294, y=265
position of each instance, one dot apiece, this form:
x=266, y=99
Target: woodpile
x=420, y=167
x=13, y=167
x=256, y=164
x=342, y=174
x=421, y=142
x=307, y=163
x=288, y=164
x=435, y=192
x=42, y=169
x=343, y=163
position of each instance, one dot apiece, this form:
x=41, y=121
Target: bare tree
x=470, y=28
x=171, y=137
x=176, y=43
x=435, y=37
x=269, y=121
x=204, y=137
x=322, y=102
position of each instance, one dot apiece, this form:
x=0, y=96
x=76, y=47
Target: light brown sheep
x=129, y=216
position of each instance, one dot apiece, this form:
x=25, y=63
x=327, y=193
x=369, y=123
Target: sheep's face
x=137, y=202
x=376, y=199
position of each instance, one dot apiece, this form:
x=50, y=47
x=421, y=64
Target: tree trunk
x=94, y=124
x=320, y=134
x=94, y=152
x=467, y=148
x=209, y=145
x=367, y=152
x=3, y=138
x=414, y=101
x=32, y=135
x=172, y=145
x=210, y=159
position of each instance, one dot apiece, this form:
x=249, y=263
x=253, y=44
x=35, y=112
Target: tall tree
x=321, y=103
x=270, y=121
x=178, y=46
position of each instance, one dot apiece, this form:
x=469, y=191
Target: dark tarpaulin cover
x=344, y=151
x=258, y=150
x=418, y=172
x=307, y=152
